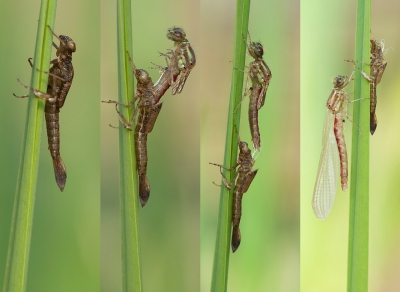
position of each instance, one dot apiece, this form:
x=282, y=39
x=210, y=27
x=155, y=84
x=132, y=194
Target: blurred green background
x=328, y=37
x=169, y=223
x=65, y=252
x=268, y=256
x=65, y=247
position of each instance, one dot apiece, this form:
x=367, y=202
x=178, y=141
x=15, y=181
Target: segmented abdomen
x=53, y=128
x=373, y=121
x=338, y=131
x=372, y=98
x=236, y=213
x=237, y=202
x=253, y=118
x=141, y=145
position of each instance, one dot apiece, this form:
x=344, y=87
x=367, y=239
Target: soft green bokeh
x=169, y=223
x=325, y=42
x=65, y=247
x=65, y=239
x=268, y=256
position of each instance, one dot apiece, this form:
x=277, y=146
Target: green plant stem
x=21, y=226
x=357, y=274
x=222, y=246
x=131, y=269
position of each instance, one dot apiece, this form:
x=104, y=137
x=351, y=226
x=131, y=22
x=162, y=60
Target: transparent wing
x=328, y=171
x=190, y=60
x=265, y=84
x=180, y=81
x=261, y=98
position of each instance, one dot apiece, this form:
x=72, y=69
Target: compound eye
x=180, y=33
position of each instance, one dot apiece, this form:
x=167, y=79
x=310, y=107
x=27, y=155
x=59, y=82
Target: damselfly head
x=256, y=50
x=244, y=147
x=176, y=34
x=142, y=76
x=66, y=48
x=377, y=48
x=340, y=81
x=68, y=42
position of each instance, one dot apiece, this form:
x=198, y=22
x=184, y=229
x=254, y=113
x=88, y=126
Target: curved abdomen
x=338, y=131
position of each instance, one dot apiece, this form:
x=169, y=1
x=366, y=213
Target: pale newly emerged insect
x=260, y=76
x=333, y=150
x=180, y=63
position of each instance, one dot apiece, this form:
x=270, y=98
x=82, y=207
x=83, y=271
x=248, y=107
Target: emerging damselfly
x=148, y=111
x=60, y=80
x=378, y=66
x=333, y=150
x=260, y=76
x=179, y=64
x=245, y=176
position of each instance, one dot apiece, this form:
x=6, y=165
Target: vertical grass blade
x=131, y=269
x=21, y=226
x=222, y=246
x=357, y=274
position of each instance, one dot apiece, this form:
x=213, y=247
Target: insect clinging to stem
x=243, y=177
x=61, y=74
x=377, y=67
x=260, y=76
x=333, y=149
x=147, y=111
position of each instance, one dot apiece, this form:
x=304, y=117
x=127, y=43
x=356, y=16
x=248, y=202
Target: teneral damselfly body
x=333, y=151
x=147, y=110
x=185, y=57
x=179, y=66
x=59, y=82
x=245, y=176
x=378, y=66
x=260, y=76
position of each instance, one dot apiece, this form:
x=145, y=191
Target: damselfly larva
x=179, y=64
x=148, y=112
x=333, y=150
x=378, y=66
x=245, y=176
x=260, y=76
x=59, y=82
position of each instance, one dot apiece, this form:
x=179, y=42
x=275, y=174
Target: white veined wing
x=328, y=171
